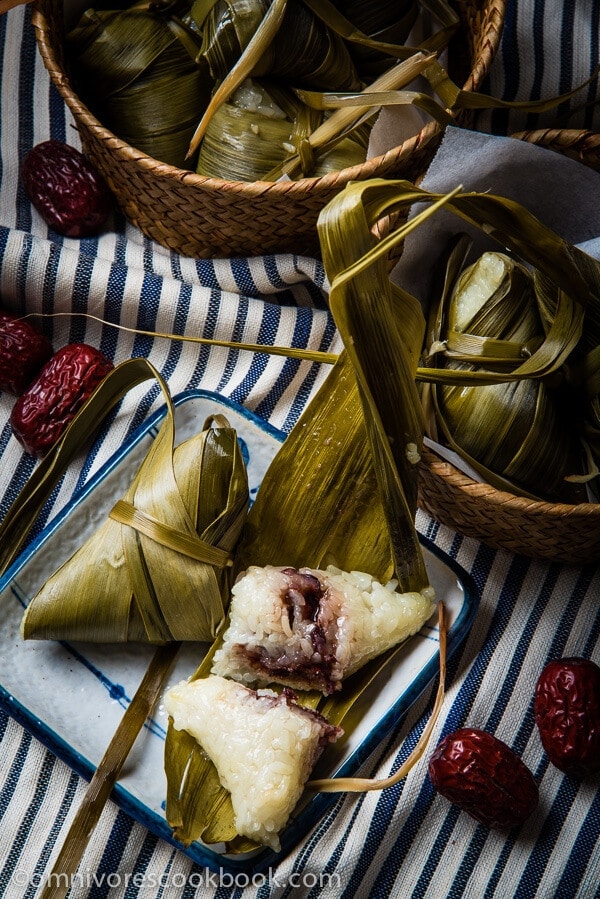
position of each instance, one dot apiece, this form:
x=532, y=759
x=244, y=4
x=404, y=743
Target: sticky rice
x=263, y=745
x=309, y=629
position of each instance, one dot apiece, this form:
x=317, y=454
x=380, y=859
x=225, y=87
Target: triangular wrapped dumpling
x=159, y=568
x=309, y=629
x=264, y=746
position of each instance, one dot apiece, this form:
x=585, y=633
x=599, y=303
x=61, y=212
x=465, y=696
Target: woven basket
x=584, y=146
x=557, y=532
x=204, y=217
x=554, y=532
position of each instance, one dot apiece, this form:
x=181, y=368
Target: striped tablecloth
x=406, y=841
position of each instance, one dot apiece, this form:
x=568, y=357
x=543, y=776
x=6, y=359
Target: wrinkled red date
x=65, y=188
x=42, y=413
x=23, y=352
x=483, y=776
x=567, y=713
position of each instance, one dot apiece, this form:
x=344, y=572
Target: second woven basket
x=556, y=532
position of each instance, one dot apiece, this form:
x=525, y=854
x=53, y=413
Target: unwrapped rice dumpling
x=309, y=629
x=263, y=744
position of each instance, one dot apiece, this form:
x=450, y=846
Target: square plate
x=71, y=696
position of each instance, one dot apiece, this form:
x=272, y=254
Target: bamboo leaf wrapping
x=129, y=583
x=139, y=70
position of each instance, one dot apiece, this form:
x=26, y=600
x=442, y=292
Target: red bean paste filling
x=305, y=601
x=329, y=732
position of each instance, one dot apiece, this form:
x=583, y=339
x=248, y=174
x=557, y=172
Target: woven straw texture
x=584, y=146
x=547, y=531
x=206, y=217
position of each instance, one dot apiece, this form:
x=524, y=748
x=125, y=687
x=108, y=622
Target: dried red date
x=65, y=188
x=483, y=776
x=23, y=351
x=567, y=712
x=42, y=413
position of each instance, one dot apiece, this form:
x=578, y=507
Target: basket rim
x=550, y=135
x=376, y=166
x=495, y=497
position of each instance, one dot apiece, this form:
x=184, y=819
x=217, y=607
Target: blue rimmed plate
x=72, y=696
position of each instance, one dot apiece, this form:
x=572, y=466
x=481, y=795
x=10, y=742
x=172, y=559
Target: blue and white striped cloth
x=405, y=842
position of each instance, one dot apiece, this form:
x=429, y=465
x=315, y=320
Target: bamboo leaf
x=107, y=773
x=244, y=67
x=320, y=485
x=365, y=311
x=515, y=228
x=455, y=98
x=338, y=23
x=303, y=354
x=378, y=99
x=346, y=117
x=490, y=400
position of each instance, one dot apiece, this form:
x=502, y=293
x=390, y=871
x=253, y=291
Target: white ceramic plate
x=72, y=696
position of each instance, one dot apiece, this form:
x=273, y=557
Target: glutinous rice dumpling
x=263, y=744
x=309, y=629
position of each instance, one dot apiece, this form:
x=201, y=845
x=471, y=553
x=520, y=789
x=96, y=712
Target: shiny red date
x=65, y=188
x=484, y=777
x=567, y=714
x=23, y=352
x=41, y=414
